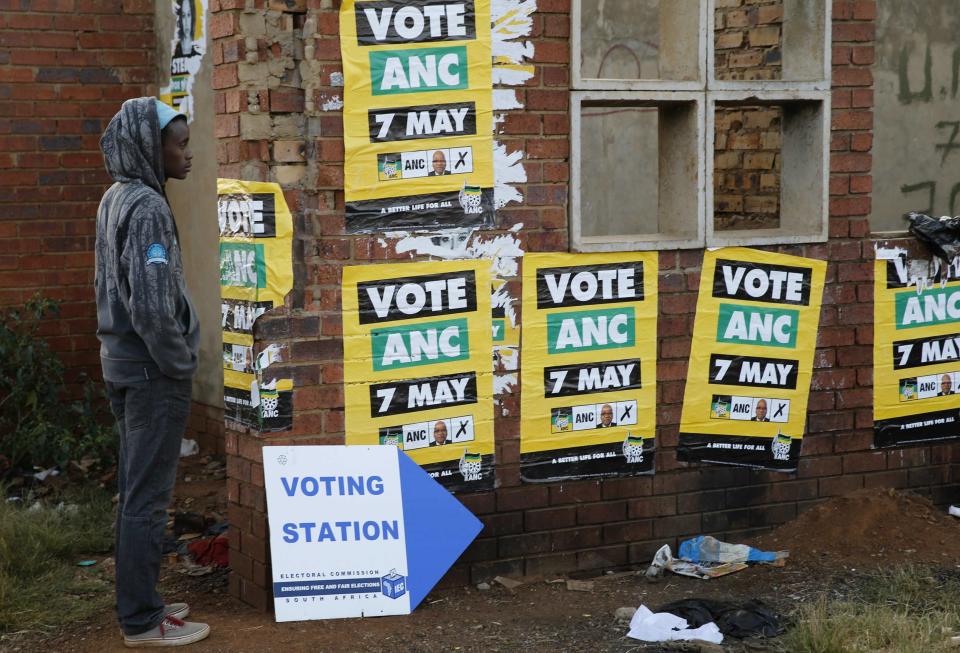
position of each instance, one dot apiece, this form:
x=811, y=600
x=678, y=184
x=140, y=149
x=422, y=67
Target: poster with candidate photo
x=745, y=401
x=916, y=351
x=417, y=114
x=417, y=369
x=588, y=374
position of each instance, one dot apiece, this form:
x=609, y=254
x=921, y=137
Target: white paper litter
x=650, y=626
x=188, y=448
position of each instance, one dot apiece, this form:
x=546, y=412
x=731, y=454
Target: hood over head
x=131, y=145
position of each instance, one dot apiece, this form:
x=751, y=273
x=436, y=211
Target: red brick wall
x=536, y=529
x=65, y=68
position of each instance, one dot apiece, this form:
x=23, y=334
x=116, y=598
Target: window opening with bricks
x=756, y=73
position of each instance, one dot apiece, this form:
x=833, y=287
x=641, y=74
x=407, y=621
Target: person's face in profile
x=439, y=163
x=606, y=415
x=439, y=433
x=175, y=141
x=946, y=384
x=761, y=411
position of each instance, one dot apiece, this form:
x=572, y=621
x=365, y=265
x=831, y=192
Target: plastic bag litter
x=941, y=237
x=705, y=548
x=707, y=557
x=750, y=619
x=46, y=473
x=649, y=626
x=188, y=448
x=954, y=510
x=663, y=559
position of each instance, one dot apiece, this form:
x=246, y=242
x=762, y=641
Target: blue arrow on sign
x=439, y=528
x=357, y=531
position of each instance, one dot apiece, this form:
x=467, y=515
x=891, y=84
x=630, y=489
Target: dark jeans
x=151, y=417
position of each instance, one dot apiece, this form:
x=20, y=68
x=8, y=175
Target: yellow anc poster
x=916, y=352
x=417, y=368
x=256, y=273
x=417, y=114
x=589, y=369
x=751, y=362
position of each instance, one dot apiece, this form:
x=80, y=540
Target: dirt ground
x=830, y=546
x=869, y=527
x=538, y=617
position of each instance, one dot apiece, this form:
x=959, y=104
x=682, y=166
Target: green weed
x=41, y=586
x=903, y=610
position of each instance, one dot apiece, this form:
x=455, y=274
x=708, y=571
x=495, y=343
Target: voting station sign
x=916, y=351
x=751, y=361
x=418, y=113
x=357, y=531
x=588, y=401
x=417, y=365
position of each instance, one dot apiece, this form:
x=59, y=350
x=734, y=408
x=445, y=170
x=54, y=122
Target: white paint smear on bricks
x=504, y=383
x=334, y=103
x=511, y=75
x=512, y=23
x=505, y=99
x=502, y=250
x=507, y=169
x=889, y=253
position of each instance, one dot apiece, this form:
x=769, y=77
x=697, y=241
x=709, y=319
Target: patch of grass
x=902, y=610
x=41, y=586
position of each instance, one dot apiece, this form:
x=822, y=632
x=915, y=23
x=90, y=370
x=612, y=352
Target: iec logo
x=393, y=585
x=156, y=253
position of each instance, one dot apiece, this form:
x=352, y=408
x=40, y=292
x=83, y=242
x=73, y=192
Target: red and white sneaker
x=170, y=632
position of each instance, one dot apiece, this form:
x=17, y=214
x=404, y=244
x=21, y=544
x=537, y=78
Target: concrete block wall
x=278, y=86
x=65, y=68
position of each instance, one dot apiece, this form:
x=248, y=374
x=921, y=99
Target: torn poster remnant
x=187, y=47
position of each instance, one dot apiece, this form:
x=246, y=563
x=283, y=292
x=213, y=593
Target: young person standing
x=149, y=341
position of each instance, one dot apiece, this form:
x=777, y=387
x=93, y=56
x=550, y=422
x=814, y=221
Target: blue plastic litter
x=705, y=548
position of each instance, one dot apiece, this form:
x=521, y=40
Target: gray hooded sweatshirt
x=146, y=321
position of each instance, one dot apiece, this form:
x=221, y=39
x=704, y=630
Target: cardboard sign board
x=417, y=365
x=588, y=373
x=417, y=114
x=916, y=352
x=751, y=362
x=357, y=531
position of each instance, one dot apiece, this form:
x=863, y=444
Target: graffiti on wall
x=917, y=83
